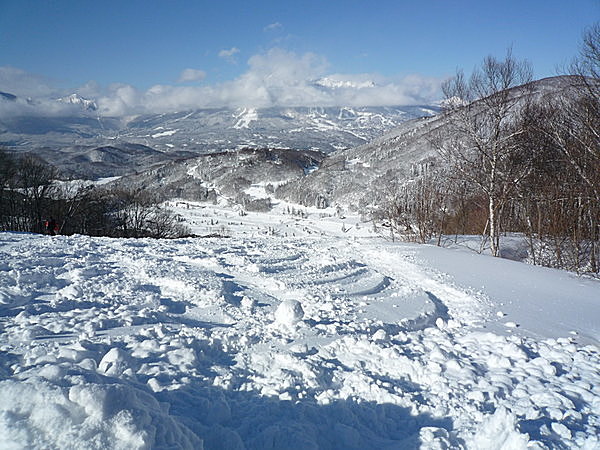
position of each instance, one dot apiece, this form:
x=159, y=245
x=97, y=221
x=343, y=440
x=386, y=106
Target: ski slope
x=290, y=332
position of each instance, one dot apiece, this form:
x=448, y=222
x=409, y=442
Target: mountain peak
x=75, y=99
x=7, y=96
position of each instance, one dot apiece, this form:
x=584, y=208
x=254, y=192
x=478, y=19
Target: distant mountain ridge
x=61, y=138
x=320, y=128
x=325, y=129
x=359, y=177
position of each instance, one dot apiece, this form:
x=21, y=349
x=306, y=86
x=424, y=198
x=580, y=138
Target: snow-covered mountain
x=300, y=128
x=365, y=174
x=199, y=131
x=227, y=175
x=75, y=99
x=360, y=176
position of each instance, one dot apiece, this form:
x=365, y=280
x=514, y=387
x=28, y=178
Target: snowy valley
x=310, y=225
x=285, y=314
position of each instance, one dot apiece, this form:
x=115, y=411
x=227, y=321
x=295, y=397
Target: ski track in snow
x=258, y=343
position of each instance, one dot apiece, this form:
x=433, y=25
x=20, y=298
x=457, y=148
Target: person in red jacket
x=51, y=226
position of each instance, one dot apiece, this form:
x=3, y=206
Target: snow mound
x=498, y=432
x=289, y=313
x=40, y=414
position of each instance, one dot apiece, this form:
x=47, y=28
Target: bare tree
x=74, y=199
x=133, y=209
x=480, y=141
x=35, y=180
x=587, y=64
x=416, y=210
x=572, y=126
x=577, y=133
x=137, y=213
x=165, y=225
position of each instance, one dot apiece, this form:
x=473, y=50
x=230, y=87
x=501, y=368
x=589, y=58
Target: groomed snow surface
x=290, y=333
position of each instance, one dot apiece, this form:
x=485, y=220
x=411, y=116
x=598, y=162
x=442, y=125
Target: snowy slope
x=366, y=175
x=291, y=332
x=224, y=174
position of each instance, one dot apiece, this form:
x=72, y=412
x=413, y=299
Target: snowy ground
x=292, y=332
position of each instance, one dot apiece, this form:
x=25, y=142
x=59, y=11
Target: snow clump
x=289, y=313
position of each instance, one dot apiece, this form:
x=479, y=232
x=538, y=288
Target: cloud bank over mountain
x=276, y=77
x=188, y=75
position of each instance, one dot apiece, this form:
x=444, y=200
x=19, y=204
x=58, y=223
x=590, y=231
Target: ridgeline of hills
x=198, y=155
x=82, y=143
x=365, y=174
x=356, y=177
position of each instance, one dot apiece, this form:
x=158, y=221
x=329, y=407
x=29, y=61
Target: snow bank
x=37, y=412
x=265, y=341
x=498, y=432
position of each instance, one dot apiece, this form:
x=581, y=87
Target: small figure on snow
x=51, y=226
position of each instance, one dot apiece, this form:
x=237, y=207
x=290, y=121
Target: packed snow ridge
x=284, y=331
x=164, y=133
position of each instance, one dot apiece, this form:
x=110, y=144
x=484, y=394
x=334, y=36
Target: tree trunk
x=493, y=230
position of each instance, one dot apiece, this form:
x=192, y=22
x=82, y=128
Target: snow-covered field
x=290, y=333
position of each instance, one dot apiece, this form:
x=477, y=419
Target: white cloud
x=35, y=95
x=191, y=75
x=23, y=84
x=273, y=26
x=229, y=55
x=273, y=78
x=90, y=90
x=376, y=90
x=121, y=99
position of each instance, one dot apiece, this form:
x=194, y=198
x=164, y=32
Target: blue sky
x=230, y=44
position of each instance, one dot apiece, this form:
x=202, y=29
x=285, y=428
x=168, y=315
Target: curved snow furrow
x=461, y=305
x=293, y=256
x=372, y=285
x=270, y=268
x=345, y=276
x=281, y=259
x=435, y=316
x=333, y=277
x=362, y=291
x=330, y=304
